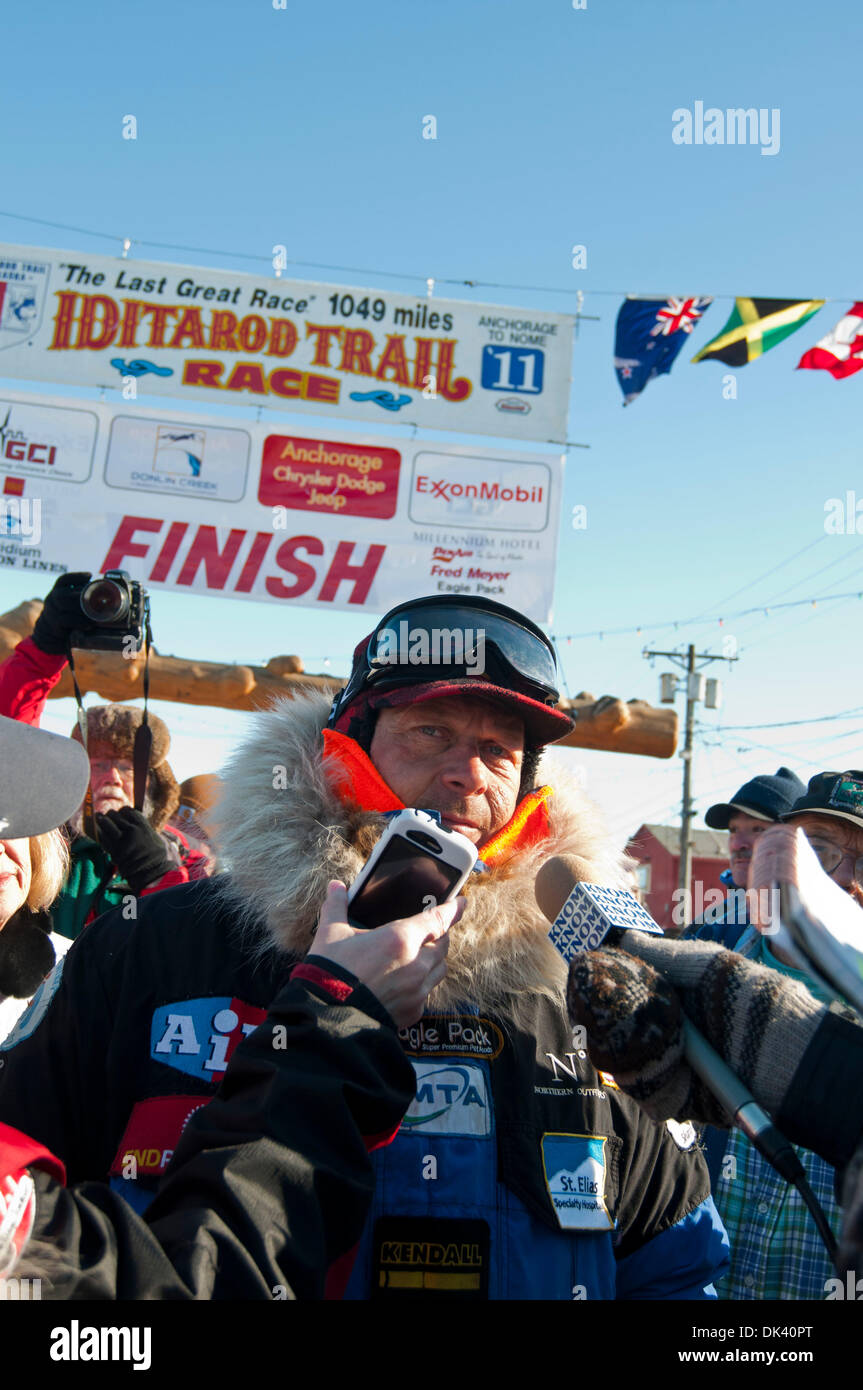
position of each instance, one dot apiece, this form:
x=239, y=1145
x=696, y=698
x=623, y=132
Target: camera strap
x=143, y=734
x=89, y=825
x=143, y=737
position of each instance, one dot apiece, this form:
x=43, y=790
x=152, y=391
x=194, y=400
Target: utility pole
x=684, y=879
x=693, y=695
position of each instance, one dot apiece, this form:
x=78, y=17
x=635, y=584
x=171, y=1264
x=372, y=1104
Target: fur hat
x=111, y=733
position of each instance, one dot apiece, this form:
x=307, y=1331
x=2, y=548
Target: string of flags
x=651, y=332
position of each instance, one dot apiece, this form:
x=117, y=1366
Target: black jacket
x=132, y=1035
x=271, y=1181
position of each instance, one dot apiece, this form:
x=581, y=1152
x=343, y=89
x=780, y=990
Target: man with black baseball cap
x=448, y=706
x=760, y=802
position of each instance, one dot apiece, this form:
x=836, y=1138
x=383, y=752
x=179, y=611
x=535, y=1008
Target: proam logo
x=198, y=1036
x=449, y=1100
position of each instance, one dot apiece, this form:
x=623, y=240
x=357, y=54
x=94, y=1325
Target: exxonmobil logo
x=484, y=492
x=467, y=489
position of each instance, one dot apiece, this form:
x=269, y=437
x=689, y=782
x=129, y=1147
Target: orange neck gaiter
x=356, y=781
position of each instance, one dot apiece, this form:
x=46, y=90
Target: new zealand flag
x=650, y=334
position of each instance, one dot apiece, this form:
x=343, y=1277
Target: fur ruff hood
x=285, y=833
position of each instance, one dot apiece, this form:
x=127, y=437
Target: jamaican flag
x=755, y=326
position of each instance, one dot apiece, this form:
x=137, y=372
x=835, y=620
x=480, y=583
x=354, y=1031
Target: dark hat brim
x=800, y=808
x=543, y=724
x=719, y=815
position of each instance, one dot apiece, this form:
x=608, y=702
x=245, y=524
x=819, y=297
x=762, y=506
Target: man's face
x=461, y=756
x=743, y=831
x=831, y=837
x=14, y=876
x=112, y=781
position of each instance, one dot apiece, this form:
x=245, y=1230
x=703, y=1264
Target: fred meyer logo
x=198, y=1036
x=449, y=1100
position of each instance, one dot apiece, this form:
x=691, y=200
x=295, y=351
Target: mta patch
x=450, y=1099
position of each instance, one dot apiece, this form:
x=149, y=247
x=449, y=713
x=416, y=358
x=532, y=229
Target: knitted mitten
x=759, y=1021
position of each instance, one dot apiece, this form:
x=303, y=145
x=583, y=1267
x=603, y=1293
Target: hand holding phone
x=401, y=963
x=416, y=864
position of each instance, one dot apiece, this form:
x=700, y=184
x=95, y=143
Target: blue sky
x=302, y=126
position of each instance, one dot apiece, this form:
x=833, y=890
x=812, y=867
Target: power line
x=805, y=578
x=787, y=724
x=782, y=631
x=683, y=622
x=350, y=270
x=766, y=575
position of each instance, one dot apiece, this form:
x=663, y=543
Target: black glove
x=61, y=614
x=138, y=850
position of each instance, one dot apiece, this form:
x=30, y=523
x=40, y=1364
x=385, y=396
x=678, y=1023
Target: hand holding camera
x=94, y=614
x=61, y=613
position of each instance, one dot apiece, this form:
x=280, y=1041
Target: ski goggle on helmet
x=429, y=648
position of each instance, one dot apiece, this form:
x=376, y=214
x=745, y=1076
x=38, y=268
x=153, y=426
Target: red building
x=656, y=849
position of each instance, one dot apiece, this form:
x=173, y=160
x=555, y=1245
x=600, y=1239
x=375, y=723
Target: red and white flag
x=841, y=352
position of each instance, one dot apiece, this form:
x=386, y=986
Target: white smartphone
x=415, y=864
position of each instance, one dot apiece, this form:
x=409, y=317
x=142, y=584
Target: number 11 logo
x=508, y=369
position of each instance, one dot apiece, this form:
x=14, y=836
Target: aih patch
x=575, y=1175
x=199, y=1036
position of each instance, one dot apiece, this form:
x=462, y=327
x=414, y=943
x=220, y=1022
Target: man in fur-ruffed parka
x=518, y=1170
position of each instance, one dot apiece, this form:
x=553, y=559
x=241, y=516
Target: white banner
x=208, y=335
x=268, y=512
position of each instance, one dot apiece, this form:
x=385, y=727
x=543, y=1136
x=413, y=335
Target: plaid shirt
x=776, y=1251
